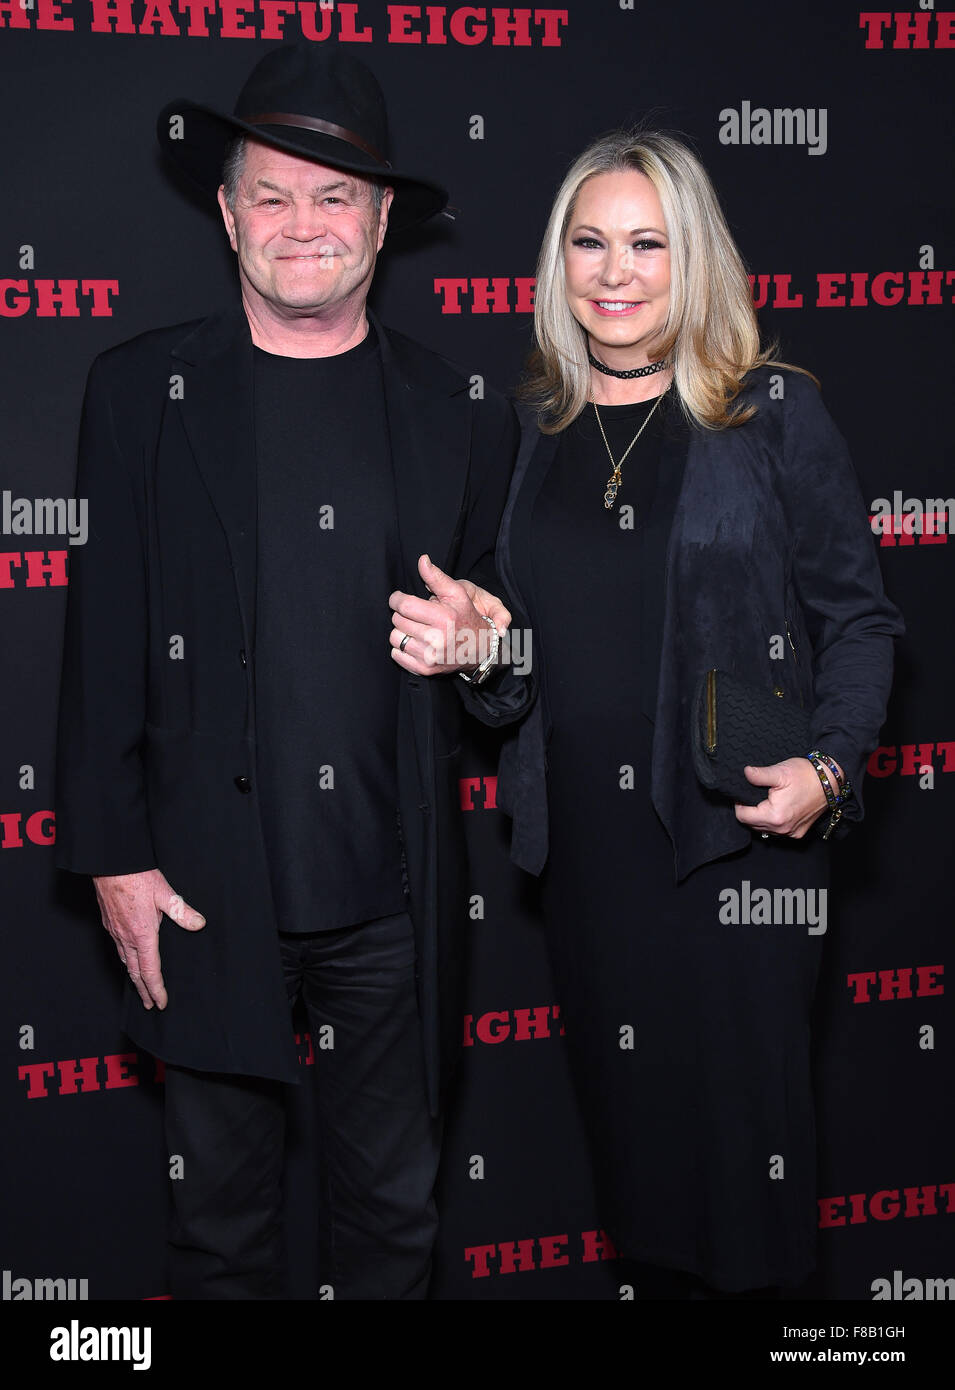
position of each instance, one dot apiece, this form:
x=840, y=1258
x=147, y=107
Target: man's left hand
x=446, y=632
x=795, y=799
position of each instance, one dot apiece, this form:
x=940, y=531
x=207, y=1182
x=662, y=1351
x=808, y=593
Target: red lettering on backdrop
x=158, y=12
x=911, y=29
x=521, y=1256
x=467, y=25
x=914, y=756
x=349, y=31
x=49, y=15
x=39, y=829
x=512, y=29
x=550, y=20
x=516, y=1256
x=598, y=1246
x=78, y=1075
x=493, y=1027
x=524, y=1025
x=530, y=1023
x=400, y=16
x=452, y=291
x=13, y=13
x=273, y=17
x=197, y=10
x=234, y=25
x=884, y=289
x=896, y=984
x=887, y=1204
x=9, y=560
x=121, y=1070
x=551, y=1254
x=14, y=306
x=467, y=786
x=56, y=298
x=920, y=1201
x=112, y=17
x=480, y=1255
x=10, y=830
x=81, y=1075
x=308, y=23
x=44, y=568
x=35, y=1074
x=488, y=296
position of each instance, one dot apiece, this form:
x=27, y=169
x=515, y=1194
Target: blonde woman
x=681, y=502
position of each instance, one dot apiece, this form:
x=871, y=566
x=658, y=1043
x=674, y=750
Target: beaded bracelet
x=825, y=767
x=832, y=796
x=830, y=763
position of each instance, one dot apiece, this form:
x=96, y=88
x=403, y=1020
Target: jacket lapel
x=218, y=414
x=530, y=468
x=656, y=580
x=430, y=443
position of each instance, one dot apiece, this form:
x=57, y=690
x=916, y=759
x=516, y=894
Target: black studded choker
x=634, y=371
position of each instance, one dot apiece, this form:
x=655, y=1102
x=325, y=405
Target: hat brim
x=202, y=136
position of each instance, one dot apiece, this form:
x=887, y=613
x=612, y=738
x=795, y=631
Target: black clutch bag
x=735, y=724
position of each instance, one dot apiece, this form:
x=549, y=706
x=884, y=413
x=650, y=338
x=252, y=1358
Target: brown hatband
x=315, y=123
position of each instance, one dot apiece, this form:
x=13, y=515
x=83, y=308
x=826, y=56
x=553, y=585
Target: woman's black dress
x=688, y=1034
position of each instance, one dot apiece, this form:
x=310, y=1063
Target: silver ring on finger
x=404, y=641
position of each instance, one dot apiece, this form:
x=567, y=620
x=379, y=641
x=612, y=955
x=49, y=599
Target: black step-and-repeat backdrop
x=826, y=129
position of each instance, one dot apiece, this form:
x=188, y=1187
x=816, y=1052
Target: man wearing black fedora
x=263, y=789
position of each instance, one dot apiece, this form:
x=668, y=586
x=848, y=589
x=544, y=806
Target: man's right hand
x=132, y=908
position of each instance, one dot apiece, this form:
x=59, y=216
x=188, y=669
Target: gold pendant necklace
x=616, y=478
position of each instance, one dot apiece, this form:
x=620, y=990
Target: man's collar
x=421, y=369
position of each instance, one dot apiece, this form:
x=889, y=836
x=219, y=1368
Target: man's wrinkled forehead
x=267, y=167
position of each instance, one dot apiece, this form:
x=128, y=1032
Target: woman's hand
x=795, y=799
x=446, y=632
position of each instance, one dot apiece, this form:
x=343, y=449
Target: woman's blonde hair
x=711, y=332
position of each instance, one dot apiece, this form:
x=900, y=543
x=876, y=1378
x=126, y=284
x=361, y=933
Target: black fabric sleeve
x=837, y=581
x=508, y=693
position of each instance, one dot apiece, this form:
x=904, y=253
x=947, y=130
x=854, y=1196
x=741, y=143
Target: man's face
x=306, y=236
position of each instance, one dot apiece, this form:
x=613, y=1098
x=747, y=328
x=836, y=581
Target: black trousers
x=378, y=1145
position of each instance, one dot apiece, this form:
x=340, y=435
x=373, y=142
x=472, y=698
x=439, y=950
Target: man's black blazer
x=156, y=751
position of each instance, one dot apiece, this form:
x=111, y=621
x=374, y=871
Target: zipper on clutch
x=711, y=712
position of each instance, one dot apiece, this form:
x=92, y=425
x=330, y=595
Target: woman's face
x=617, y=266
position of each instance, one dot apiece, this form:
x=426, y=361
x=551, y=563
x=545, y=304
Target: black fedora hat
x=319, y=103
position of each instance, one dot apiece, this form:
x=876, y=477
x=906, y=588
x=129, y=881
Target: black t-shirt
x=595, y=623
x=326, y=686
